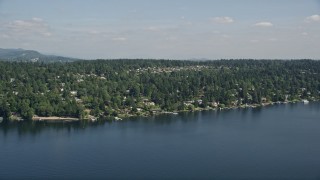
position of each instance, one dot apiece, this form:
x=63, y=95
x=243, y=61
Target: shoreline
x=120, y=117
x=176, y=112
x=54, y=118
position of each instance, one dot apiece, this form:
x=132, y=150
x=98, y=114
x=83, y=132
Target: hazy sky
x=170, y=29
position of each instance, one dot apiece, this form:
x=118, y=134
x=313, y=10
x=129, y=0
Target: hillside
x=121, y=88
x=30, y=56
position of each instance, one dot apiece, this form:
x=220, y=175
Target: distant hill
x=30, y=56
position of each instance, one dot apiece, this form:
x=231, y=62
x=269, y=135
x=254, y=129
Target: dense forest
x=118, y=88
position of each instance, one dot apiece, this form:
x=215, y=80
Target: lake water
x=274, y=142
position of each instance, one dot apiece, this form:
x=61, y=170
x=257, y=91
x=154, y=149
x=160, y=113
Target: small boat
x=305, y=101
x=117, y=118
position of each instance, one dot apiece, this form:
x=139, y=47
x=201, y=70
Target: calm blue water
x=275, y=142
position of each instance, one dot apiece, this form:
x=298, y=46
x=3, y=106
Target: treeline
x=111, y=87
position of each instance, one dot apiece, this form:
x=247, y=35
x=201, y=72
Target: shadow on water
x=35, y=128
x=167, y=119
